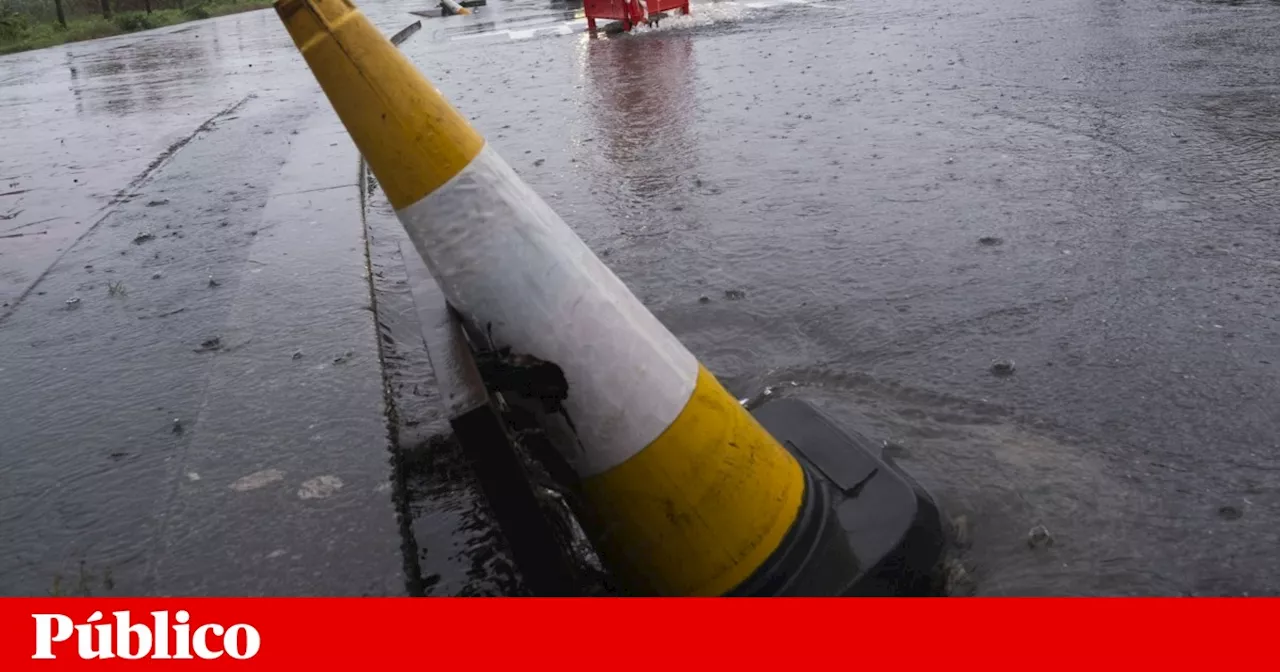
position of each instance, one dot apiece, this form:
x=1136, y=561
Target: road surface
x=865, y=204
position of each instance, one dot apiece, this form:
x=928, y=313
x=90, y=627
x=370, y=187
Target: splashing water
x=706, y=14
x=702, y=15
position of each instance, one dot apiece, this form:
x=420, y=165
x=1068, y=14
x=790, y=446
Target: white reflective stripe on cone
x=507, y=261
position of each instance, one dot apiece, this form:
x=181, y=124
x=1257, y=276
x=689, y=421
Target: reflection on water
x=641, y=103
x=82, y=120
x=144, y=75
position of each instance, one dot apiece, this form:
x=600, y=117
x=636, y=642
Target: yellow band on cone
x=703, y=506
x=413, y=139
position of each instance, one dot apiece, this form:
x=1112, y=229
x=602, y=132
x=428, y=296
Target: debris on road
x=892, y=448
x=167, y=313
x=319, y=487
x=210, y=345
x=405, y=33
x=1002, y=367
x=1039, y=537
x=960, y=536
x=1230, y=513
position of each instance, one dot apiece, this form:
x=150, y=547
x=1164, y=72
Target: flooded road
x=864, y=204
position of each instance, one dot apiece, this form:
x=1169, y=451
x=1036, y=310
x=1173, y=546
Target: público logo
x=164, y=638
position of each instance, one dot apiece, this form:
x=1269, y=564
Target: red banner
x=622, y=634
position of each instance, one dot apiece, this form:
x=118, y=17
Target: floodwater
x=863, y=204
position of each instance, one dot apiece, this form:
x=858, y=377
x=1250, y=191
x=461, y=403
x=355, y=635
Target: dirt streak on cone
x=689, y=495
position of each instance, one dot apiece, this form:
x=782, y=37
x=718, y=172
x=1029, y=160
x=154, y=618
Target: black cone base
x=892, y=529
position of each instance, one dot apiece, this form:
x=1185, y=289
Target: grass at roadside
x=18, y=35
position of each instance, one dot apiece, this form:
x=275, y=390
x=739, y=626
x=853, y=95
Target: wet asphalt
x=863, y=204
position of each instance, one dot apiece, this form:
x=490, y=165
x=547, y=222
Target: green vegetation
x=26, y=25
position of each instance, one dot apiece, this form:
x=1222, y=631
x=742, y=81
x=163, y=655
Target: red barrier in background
x=629, y=12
